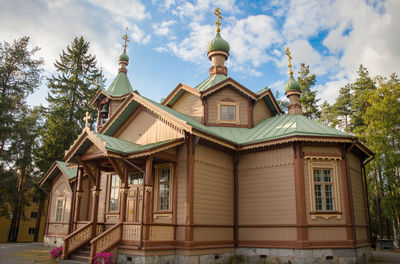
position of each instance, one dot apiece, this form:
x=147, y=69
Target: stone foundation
x=53, y=241
x=305, y=256
x=259, y=255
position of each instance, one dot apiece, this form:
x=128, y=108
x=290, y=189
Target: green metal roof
x=210, y=82
x=292, y=84
x=279, y=126
x=70, y=172
x=120, y=86
x=125, y=147
x=124, y=57
x=218, y=43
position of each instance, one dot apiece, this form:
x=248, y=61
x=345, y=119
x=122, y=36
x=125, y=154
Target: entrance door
x=135, y=197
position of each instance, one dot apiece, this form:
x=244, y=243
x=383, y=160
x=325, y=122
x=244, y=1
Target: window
x=136, y=178
x=228, y=112
x=163, y=186
x=60, y=209
x=31, y=231
x=114, y=193
x=33, y=215
x=324, y=185
x=323, y=188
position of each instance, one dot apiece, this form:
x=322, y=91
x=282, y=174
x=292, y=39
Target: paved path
x=388, y=257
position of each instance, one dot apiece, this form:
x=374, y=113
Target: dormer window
x=228, y=112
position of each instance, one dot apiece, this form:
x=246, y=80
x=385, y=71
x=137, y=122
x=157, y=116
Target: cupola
x=292, y=90
x=218, y=50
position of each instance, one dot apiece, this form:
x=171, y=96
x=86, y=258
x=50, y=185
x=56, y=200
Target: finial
x=126, y=39
x=218, y=14
x=290, y=58
x=86, y=119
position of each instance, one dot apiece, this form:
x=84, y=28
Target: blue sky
x=169, y=39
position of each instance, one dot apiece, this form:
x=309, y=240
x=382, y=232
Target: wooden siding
x=260, y=112
x=146, y=129
x=213, y=187
x=114, y=104
x=60, y=189
x=265, y=233
x=191, y=105
x=326, y=233
x=181, y=193
x=213, y=233
x=358, y=197
x=266, y=188
x=227, y=94
x=84, y=212
x=102, y=197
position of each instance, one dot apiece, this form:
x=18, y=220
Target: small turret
x=293, y=91
x=218, y=50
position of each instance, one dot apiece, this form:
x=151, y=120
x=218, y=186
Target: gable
x=191, y=105
x=146, y=128
x=227, y=95
x=260, y=111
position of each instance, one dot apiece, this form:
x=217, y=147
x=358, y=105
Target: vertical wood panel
x=146, y=129
x=191, y=105
x=261, y=112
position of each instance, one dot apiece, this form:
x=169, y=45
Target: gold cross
x=290, y=58
x=218, y=14
x=86, y=118
x=126, y=39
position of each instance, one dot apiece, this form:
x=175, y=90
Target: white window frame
x=62, y=199
x=110, y=191
x=157, y=187
x=324, y=163
x=228, y=103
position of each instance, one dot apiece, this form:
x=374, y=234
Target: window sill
x=326, y=215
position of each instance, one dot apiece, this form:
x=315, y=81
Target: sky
x=169, y=39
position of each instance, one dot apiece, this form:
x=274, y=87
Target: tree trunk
x=38, y=220
x=377, y=205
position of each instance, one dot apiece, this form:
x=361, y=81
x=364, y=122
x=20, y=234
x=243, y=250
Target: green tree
x=328, y=115
x=77, y=80
x=308, y=98
x=342, y=108
x=20, y=75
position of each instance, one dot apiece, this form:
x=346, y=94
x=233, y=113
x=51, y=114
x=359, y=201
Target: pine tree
x=308, y=98
x=342, y=108
x=77, y=80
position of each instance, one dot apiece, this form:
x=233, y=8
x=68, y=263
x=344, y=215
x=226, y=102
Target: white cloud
x=197, y=10
x=163, y=28
x=132, y=9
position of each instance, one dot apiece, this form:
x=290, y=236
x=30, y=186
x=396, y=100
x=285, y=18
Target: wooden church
x=214, y=173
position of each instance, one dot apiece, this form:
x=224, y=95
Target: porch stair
x=81, y=255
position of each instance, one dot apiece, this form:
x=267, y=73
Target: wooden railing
x=77, y=239
x=106, y=241
x=80, y=237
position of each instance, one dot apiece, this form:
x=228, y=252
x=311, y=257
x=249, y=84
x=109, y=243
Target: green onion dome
x=124, y=57
x=218, y=43
x=292, y=85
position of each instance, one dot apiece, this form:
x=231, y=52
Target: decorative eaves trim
x=225, y=82
x=179, y=87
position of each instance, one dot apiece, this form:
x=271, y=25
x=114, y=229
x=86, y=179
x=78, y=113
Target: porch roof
x=56, y=168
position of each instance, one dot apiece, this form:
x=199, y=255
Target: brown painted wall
x=114, y=106
x=83, y=214
x=358, y=197
x=261, y=112
x=60, y=189
x=266, y=188
x=227, y=94
x=191, y=105
x=181, y=194
x=213, y=187
x=147, y=129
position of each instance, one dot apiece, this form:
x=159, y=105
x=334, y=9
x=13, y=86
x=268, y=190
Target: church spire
x=124, y=59
x=292, y=90
x=218, y=50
